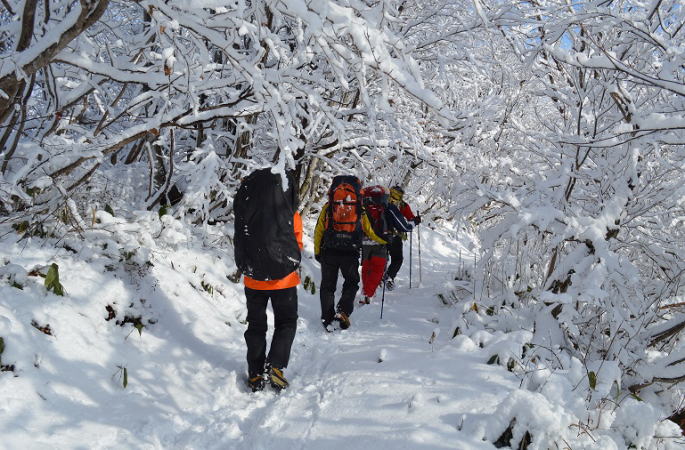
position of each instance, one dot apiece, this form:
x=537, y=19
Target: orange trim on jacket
x=290, y=280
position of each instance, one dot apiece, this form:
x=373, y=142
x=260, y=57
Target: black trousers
x=396, y=257
x=348, y=264
x=284, y=304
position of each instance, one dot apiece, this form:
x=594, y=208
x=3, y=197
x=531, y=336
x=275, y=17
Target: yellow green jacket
x=321, y=227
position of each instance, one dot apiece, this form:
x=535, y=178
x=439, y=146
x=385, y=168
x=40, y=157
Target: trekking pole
x=383, y=295
x=418, y=231
x=411, y=236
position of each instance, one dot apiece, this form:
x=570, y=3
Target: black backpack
x=265, y=244
x=343, y=216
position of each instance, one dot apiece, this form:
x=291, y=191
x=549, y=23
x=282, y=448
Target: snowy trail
x=343, y=396
x=186, y=368
x=379, y=385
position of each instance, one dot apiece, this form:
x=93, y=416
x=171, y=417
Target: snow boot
x=256, y=383
x=390, y=284
x=328, y=326
x=365, y=301
x=344, y=320
x=277, y=380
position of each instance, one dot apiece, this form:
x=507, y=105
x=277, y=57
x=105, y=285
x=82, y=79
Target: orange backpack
x=343, y=218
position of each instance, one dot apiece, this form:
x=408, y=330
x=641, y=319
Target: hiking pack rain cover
x=376, y=203
x=343, y=224
x=265, y=243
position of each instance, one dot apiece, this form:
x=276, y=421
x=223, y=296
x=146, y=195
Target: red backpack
x=343, y=217
x=375, y=203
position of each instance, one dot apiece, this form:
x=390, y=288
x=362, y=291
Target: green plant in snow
x=21, y=227
x=122, y=374
x=207, y=287
x=31, y=229
x=592, y=380
x=511, y=365
x=136, y=321
x=33, y=191
x=52, y=280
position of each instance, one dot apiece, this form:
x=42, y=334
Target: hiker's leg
x=329, y=280
x=366, y=270
x=396, y=257
x=376, y=267
x=366, y=278
x=255, y=335
x=350, y=270
x=284, y=304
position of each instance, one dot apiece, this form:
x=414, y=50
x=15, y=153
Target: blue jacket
x=396, y=221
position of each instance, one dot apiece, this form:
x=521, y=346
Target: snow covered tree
x=579, y=200
x=201, y=94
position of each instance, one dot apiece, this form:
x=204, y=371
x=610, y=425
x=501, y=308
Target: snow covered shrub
x=13, y=274
x=207, y=186
x=579, y=206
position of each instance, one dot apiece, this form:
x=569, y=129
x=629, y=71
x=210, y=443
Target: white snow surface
x=401, y=382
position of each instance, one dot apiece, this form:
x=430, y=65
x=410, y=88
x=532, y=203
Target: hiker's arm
x=398, y=220
x=320, y=227
x=406, y=211
x=297, y=225
x=368, y=230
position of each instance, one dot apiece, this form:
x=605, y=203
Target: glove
x=417, y=219
x=317, y=257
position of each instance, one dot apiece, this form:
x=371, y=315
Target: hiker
x=397, y=238
x=268, y=242
x=337, y=243
x=385, y=219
